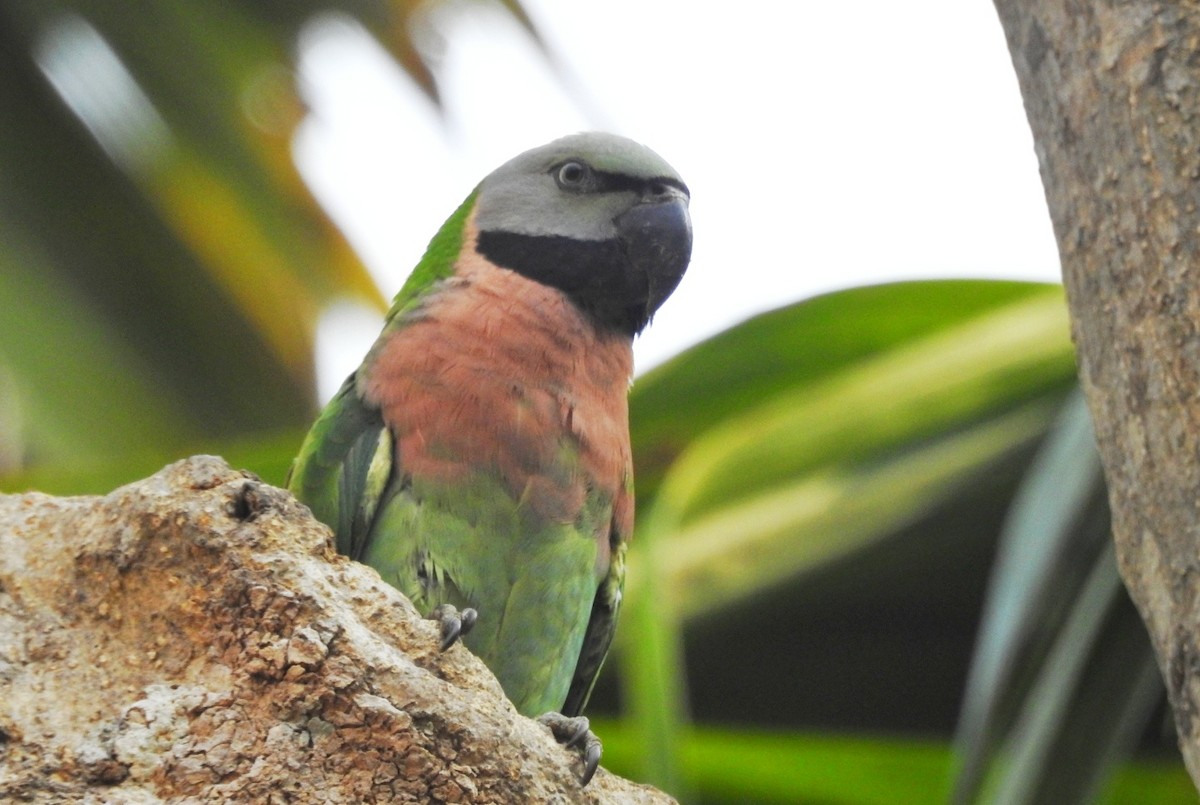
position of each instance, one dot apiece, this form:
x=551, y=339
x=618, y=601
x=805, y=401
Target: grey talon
x=575, y=733
x=454, y=624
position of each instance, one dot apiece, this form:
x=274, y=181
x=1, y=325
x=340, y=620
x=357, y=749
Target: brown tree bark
x=1110, y=90
x=194, y=637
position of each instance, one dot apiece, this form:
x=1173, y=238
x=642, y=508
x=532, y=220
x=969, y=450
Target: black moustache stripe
x=594, y=274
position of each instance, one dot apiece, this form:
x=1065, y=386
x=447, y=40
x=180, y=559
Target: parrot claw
x=454, y=624
x=575, y=733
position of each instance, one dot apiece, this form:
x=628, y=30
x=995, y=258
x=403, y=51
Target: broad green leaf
x=1090, y=701
x=1051, y=694
x=744, y=765
x=266, y=455
x=650, y=649
x=151, y=207
x=795, y=347
x=1106, y=715
x=63, y=356
x=763, y=540
x=1063, y=673
x=914, y=390
x=770, y=766
x=1050, y=536
x=152, y=248
x=814, y=469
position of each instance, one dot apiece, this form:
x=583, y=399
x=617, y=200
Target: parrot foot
x=454, y=624
x=575, y=733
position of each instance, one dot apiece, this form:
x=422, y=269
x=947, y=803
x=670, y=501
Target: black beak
x=657, y=237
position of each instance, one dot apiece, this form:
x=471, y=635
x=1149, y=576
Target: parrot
x=479, y=457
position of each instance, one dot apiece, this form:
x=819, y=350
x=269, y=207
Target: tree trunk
x=1110, y=90
x=194, y=637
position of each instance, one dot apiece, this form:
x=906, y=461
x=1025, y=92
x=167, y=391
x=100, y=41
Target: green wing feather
x=466, y=546
x=342, y=468
x=473, y=545
x=601, y=626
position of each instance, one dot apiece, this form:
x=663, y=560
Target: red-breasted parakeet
x=479, y=457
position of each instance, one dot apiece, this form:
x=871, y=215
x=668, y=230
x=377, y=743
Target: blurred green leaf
x=763, y=540
x=1063, y=675
x=63, y=356
x=761, y=766
x=168, y=260
x=266, y=455
x=792, y=349
x=917, y=388
x=839, y=456
x=845, y=452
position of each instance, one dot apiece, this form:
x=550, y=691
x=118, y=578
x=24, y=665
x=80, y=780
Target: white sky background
x=826, y=145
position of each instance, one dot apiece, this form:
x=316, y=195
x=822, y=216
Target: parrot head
x=599, y=217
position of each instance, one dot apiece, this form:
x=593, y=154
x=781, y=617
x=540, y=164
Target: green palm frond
x=165, y=263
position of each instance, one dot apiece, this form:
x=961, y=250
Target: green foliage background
x=872, y=562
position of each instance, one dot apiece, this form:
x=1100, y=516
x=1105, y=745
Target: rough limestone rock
x=194, y=637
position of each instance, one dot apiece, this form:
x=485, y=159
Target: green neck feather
x=438, y=262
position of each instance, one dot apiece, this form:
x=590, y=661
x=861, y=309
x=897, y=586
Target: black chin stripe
x=594, y=274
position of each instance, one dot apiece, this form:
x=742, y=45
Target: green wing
x=343, y=467
x=531, y=581
x=596, y=641
x=470, y=545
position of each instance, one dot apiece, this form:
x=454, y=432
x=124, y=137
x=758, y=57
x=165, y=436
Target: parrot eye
x=572, y=175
